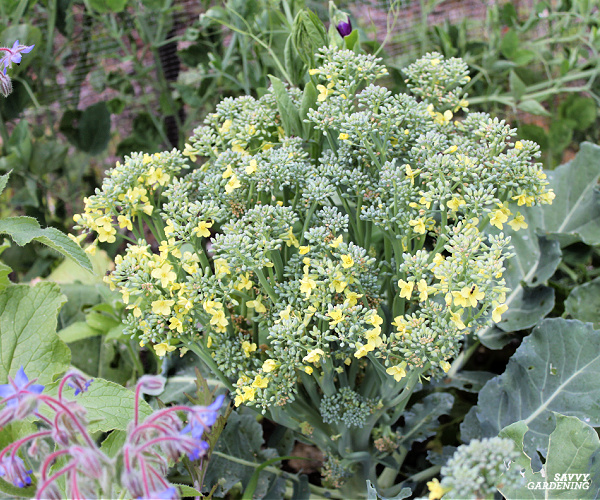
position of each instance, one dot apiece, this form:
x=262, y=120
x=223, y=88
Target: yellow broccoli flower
x=269, y=365
x=436, y=490
x=518, y=222
x=456, y=318
x=307, y=285
x=313, y=356
x=176, y=324
x=164, y=274
x=257, y=305
x=455, y=203
x=338, y=283
x=202, y=229
x=225, y=127
x=107, y=235
x=468, y=296
x=125, y=222
x=497, y=218
x=162, y=306
x=336, y=316
x=498, y=311
x=336, y=242
x=252, y=166
x=244, y=283
x=233, y=183
x=347, y=261
x=162, y=348
x=248, y=347
x=324, y=92
x=351, y=297
x=221, y=268
x=397, y=371
x=260, y=382
x=418, y=225
x=406, y=288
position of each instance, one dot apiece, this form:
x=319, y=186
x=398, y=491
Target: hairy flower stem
x=52, y=402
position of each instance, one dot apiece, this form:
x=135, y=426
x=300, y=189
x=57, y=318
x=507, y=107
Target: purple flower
x=14, y=469
x=202, y=417
x=344, y=27
x=199, y=450
x=14, y=54
x=78, y=382
x=20, y=386
x=168, y=494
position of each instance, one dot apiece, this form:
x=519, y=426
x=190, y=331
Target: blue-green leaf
x=583, y=303
x=556, y=369
x=573, y=449
x=575, y=212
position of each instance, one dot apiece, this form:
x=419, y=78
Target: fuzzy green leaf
x=113, y=443
x=533, y=107
x=243, y=438
x=3, y=181
x=109, y=406
x=28, y=332
x=25, y=229
x=187, y=491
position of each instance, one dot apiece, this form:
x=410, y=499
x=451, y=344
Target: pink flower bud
x=151, y=384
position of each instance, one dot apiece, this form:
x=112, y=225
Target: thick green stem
x=266, y=285
x=201, y=352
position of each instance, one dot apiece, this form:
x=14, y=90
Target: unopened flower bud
x=152, y=385
x=5, y=84
x=38, y=448
x=344, y=27
x=7, y=415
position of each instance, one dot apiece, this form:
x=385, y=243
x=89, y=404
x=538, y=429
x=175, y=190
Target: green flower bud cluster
x=478, y=469
x=347, y=240
x=346, y=407
x=248, y=243
x=334, y=472
x=438, y=83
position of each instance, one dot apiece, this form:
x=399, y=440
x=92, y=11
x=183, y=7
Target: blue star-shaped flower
x=19, y=386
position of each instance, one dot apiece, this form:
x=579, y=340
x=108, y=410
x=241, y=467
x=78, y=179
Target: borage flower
x=202, y=417
x=19, y=388
x=13, y=55
x=12, y=468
